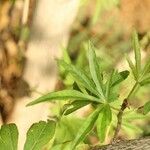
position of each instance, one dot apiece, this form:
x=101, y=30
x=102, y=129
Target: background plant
x=98, y=89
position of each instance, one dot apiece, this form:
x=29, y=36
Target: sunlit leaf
x=86, y=127
x=66, y=56
x=103, y=122
x=132, y=67
x=8, y=137
x=64, y=95
x=39, y=135
x=95, y=71
x=79, y=75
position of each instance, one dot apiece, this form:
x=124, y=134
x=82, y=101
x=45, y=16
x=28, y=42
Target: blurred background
x=33, y=33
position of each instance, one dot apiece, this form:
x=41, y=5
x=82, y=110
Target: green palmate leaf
x=137, y=52
x=77, y=87
x=114, y=79
x=8, y=137
x=113, y=96
x=73, y=106
x=108, y=85
x=103, y=122
x=39, y=135
x=64, y=95
x=95, y=71
x=132, y=67
x=119, y=77
x=86, y=127
x=79, y=75
x=147, y=108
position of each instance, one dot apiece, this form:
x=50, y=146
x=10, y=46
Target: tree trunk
x=51, y=24
x=137, y=144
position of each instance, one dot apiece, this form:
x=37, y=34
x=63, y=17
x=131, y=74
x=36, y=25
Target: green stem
x=136, y=85
x=123, y=107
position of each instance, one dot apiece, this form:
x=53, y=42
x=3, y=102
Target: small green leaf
x=147, y=108
x=66, y=56
x=136, y=47
x=8, y=137
x=39, y=135
x=108, y=85
x=64, y=95
x=86, y=127
x=79, y=75
x=95, y=71
x=73, y=106
x=103, y=122
x=119, y=77
x=66, y=59
x=132, y=67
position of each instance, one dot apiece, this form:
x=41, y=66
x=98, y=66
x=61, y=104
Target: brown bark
x=136, y=144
